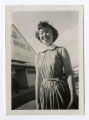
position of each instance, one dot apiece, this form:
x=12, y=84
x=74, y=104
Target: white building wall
x=21, y=50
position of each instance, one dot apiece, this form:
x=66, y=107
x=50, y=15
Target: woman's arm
x=37, y=90
x=71, y=87
x=68, y=70
x=37, y=85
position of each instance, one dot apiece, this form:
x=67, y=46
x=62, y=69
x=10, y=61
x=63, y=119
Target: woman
x=52, y=91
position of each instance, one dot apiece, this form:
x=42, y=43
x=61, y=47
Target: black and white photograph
x=44, y=60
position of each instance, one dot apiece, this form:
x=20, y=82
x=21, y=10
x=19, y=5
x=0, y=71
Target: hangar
x=22, y=69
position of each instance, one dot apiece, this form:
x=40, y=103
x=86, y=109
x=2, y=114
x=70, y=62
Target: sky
x=66, y=22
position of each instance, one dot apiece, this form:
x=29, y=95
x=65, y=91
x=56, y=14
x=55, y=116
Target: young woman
x=52, y=91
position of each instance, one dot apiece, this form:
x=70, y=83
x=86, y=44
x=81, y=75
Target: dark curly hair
x=46, y=24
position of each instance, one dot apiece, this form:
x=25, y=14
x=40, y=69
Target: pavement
x=28, y=106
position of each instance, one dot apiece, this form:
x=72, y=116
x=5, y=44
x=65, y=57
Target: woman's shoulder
x=61, y=49
x=37, y=55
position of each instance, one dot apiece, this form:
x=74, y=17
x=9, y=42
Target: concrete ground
x=28, y=106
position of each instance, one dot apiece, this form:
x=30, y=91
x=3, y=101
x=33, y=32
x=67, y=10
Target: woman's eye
x=47, y=33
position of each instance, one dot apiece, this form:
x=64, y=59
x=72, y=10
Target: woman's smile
x=45, y=38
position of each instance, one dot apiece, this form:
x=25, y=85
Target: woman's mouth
x=45, y=38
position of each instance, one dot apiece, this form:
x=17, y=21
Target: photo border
x=9, y=10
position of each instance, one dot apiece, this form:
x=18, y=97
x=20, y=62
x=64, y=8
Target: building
x=22, y=69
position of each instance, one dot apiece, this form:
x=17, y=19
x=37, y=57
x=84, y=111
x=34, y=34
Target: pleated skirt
x=54, y=94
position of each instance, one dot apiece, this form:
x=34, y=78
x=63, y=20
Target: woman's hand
x=38, y=106
x=71, y=102
x=72, y=91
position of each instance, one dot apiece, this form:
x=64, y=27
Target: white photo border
x=9, y=10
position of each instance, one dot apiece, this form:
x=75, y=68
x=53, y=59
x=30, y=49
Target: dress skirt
x=54, y=94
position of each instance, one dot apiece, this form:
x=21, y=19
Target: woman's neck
x=50, y=46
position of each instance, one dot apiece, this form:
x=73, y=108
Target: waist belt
x=51, y=79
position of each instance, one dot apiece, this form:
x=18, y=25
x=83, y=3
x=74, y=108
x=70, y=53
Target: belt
x=51, y=79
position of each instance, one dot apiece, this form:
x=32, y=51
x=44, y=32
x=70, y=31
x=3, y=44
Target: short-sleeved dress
x=53, y=90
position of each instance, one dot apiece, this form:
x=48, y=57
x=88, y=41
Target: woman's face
x=46, y=36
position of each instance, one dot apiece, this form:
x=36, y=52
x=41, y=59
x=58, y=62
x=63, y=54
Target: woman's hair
x=44, y=25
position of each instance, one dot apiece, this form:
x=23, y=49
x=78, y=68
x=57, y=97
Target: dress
x=53, y=90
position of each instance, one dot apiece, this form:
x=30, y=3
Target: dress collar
x=52, y=47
